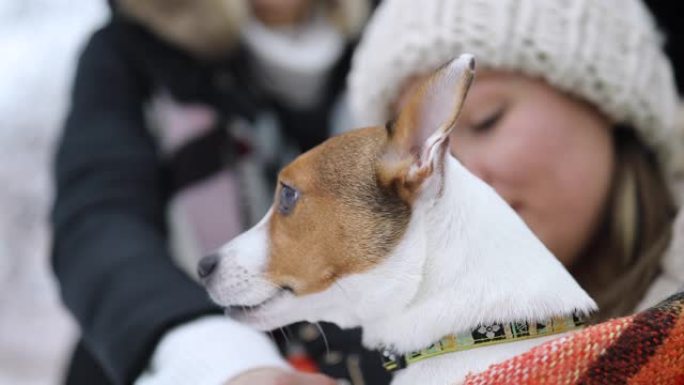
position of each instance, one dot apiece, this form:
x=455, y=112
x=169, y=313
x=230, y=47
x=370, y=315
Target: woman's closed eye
x=487, y=123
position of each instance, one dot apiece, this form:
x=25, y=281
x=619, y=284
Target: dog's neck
x=481, y=265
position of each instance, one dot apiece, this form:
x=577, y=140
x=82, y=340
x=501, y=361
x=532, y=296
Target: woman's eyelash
x=489, y=121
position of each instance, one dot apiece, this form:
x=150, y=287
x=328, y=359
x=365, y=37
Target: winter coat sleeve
x=210, y=350
x=109, y=253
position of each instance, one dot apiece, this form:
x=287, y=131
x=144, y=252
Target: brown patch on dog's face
x=343, y=206
x=344, y=220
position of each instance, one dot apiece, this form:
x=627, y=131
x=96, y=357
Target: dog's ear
x=419, y=138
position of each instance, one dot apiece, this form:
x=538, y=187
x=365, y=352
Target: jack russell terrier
x=382, y=228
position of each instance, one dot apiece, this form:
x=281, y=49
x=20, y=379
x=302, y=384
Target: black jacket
x=110, y=250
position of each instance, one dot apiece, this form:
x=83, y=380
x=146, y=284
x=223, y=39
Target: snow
x=39, y=44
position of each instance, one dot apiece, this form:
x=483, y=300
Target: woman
x=572, y=119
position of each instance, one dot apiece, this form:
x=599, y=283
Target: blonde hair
x=624, y=258
x=208, y=28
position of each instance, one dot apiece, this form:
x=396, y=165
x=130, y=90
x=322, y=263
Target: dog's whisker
x=344, y=292
x=260, y=318
x=272, y=336
x=284, y=333
x=325, y=338
x=289, y=332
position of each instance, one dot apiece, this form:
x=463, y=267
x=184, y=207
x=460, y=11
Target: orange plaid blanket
x=645, y=348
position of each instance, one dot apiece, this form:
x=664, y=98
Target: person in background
x=182, y=112
x=573, y=118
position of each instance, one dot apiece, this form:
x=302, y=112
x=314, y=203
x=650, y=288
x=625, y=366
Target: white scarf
x=293, y=63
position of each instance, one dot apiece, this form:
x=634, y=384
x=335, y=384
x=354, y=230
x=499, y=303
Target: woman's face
x=547, y=154
x=279, y=13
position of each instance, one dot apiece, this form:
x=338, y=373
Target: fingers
x=277, y=376
x=313, y=379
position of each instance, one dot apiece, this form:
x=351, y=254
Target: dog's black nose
x=207, y=265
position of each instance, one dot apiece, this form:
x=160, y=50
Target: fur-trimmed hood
x=207, y=28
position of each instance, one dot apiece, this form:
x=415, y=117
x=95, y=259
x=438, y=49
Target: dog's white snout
x=234, y=275
x=237, y=279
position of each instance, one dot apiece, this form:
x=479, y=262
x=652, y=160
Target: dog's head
x=338, y=244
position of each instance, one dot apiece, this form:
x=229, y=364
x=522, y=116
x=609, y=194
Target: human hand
x=276, y=376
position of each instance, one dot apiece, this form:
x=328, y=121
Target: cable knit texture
x=606, y=52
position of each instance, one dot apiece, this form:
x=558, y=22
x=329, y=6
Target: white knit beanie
x=607, y=52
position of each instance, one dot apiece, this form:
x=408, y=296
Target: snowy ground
x=39, y=41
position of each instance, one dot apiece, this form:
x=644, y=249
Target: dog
x=383, y=228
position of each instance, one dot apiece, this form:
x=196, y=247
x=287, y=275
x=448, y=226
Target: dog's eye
x=288, y=199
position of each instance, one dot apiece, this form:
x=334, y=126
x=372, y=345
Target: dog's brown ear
x=420, y=135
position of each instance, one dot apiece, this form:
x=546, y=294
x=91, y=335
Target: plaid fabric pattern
x=646, y=348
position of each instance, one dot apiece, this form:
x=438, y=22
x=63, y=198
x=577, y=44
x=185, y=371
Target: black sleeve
x=110, y=251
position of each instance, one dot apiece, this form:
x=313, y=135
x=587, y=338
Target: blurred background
x=39, y=42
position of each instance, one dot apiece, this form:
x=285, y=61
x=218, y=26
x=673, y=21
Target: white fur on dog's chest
x=462, y=287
